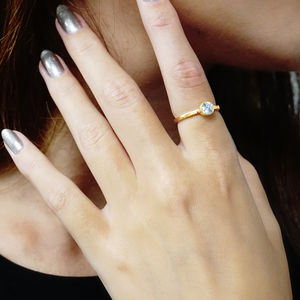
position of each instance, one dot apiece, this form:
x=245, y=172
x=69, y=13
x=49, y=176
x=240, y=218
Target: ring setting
x=206, y=109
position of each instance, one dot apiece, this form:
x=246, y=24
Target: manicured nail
x=12, y=141
x=67, y=19
x=51, y=63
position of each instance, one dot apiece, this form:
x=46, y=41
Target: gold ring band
x=205, y=109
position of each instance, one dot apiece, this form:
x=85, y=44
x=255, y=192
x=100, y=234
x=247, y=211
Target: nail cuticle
x=67, y=19
x=12, y=141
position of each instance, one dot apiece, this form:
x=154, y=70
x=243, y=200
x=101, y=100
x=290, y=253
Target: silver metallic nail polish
x=67, y=19
x=12, y=141
x=51, y=63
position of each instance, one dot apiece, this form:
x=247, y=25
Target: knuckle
x=58, y=198
x=122, y=263
x=227, y=158
x=221, y=160
x=176, y=196
x=224, y=168
x=30, y=167
x=63, y=90
x=121, y=93
x=188, y=74
x=162, y=19
x=84, y=47
x=92, y=135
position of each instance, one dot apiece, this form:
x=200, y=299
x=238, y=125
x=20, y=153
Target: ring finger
x=96, y=140
x=184, y=77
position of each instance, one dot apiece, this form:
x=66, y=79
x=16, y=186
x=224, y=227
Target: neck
x=27, y=223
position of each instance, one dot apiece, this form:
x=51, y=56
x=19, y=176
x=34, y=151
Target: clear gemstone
x=207, y=108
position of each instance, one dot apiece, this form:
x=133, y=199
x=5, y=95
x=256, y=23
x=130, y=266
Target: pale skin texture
x=178, y=224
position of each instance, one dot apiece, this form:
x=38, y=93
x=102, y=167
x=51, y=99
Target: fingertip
x=68, y=22
x=12, y=140
x=59, y=29
x=16, y=143
x=52, y=64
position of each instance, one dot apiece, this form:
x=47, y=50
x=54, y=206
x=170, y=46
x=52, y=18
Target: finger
x=101, y=149
x=183, y=75
x=85, y=222
x=261, y=201
x=126, y=109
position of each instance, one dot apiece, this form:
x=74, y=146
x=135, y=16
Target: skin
x=119, y=241
x=250, y=34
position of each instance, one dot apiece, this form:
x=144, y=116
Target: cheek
x=244, y=33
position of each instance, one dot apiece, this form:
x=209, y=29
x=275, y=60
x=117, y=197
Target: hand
x=181, y=222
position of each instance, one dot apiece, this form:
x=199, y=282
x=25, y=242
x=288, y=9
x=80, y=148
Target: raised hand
x=187, y=221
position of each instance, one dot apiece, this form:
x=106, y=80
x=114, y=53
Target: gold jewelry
x=205, y=109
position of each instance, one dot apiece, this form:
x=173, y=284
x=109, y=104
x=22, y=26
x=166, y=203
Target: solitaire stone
x=207, y=108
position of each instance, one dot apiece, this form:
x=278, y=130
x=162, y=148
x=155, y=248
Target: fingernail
x=12, y=141
x=51, y=63
x=67, y=19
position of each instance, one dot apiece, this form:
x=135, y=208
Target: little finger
x=85, y=222
x=260, y=198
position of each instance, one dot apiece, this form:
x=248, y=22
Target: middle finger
x=127, y=110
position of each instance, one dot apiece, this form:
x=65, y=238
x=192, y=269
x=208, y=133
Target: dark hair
x=25, y=103
x=259, y=107
x=27, y=28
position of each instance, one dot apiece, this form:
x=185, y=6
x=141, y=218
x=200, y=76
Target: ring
x=205, y=109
